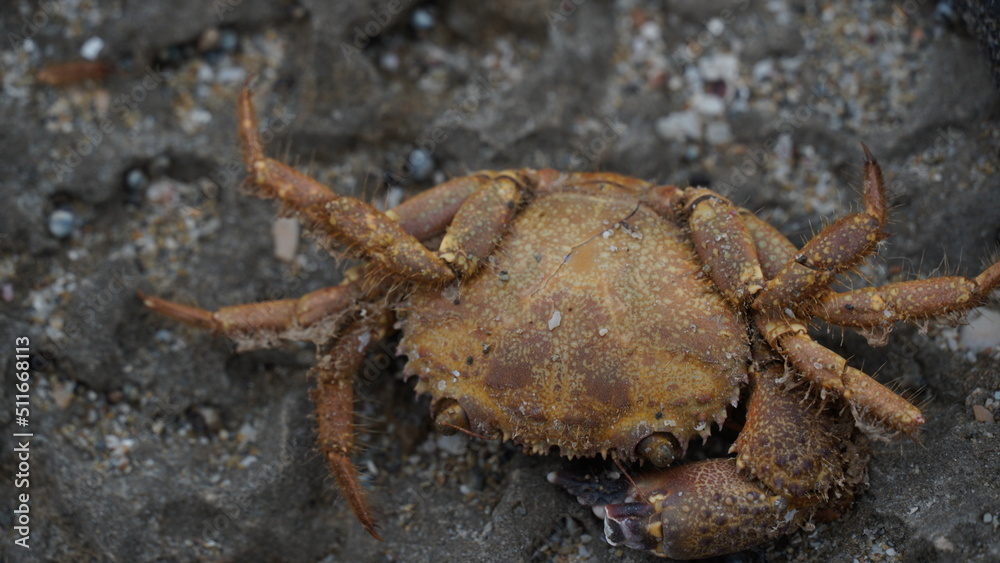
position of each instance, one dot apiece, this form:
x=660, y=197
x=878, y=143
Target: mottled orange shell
x=590, y=327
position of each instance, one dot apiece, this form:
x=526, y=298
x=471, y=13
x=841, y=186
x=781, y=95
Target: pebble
x=389, y=61
x=136, y=179
x=422, y=19
x=762, y=70
x=61, y=223
x=208, y=40
x=709, y=105
x=62, y=394
x=981, y=332
x=982, y=413
x=987, y=518
x=228, y=40
x=163, y=192
x=456, y=444
x=422, y=164
x=92, y=48
x=718, y=133
x=722, y=66
x=285, y=232
x=679, y=126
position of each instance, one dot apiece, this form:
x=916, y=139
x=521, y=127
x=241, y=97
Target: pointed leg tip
x=246, y=83
x=372, y=528
x=869, y=158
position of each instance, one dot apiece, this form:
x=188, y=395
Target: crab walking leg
x=429, y=213
x=912, y=300
x=774, y=250
x=334, y=398
x=366, y=231
x=480, y=221
x=665, y=200
x=267, y=320
x=699, y=510
x=790, y=448
x=830, y=371
x=724, y=244
x=835, y=249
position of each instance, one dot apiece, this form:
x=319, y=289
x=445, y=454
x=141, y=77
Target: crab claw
x=699, y=510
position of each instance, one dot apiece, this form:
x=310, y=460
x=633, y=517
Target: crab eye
x=660, y=448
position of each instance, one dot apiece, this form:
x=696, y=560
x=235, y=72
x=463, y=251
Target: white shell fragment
x=555, y=320
x=285, y=232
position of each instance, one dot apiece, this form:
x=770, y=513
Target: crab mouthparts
x=629, y=524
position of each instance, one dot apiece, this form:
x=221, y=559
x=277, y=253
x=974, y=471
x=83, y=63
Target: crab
x=601, y=315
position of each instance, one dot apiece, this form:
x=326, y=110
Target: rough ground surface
x=155, y=441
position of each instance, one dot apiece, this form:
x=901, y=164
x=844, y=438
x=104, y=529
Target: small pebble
x=285, y=232
x=422, y=19
x=987, y=518
x=136, y=179
x=228, y=40
x=92, y=48
x=679, y=126
x=721, y=66
x=8, y=292
x=389, y=61
x=982, y=414
x=718, y=133
x=62, y=394
x=209, y=39
x=709, y=105
x=456, y=444
x=61, y=223
x=421, y=163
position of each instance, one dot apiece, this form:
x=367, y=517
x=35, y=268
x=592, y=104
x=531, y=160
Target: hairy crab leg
x=339, y=362
x=835, y=249
x=830, y=371
x=429, y=213
x=364, y=230
x=258, y=325
x=724, y=243
x=793, y=450
x=911, y=300
x=480, y=221
x=774, y=250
